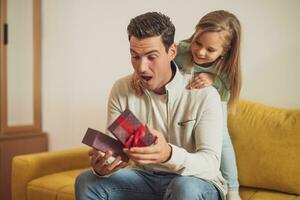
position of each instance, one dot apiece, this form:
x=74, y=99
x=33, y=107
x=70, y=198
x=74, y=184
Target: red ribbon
x=135, y=138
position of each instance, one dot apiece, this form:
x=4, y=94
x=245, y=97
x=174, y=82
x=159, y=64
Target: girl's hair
x=228, y=65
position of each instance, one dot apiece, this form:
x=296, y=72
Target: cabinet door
x=10, y=147
x=20, y=66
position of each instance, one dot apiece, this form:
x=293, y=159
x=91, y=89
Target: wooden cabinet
x=20, y=85
x=16, y=145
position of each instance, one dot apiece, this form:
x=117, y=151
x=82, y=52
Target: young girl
x=212, y=55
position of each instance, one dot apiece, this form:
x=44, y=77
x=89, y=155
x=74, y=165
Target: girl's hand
x=159, y=152
x=135, y=84
x=202, y=80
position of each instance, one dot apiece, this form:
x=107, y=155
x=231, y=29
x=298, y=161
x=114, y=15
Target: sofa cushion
x=267, y=146
x=258, y=194
x=60, y=186
x=67, y=193
x=55, y=186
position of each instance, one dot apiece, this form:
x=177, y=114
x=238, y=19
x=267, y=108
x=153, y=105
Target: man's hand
x=202, y=80
x=135, y=84
x=100, y=162
x=159, y=152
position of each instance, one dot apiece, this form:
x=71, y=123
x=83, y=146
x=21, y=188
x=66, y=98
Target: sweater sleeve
x=182, y=56
x=205, y=161
x=116, y=103
x=222, y=87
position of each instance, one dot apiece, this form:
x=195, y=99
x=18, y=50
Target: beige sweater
x=194, y=126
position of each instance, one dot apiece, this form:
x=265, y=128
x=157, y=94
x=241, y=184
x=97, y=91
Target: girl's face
x=207, y=47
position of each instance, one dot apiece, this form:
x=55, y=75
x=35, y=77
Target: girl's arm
x=135, y=84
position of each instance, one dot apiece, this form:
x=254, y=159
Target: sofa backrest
x=267, y=145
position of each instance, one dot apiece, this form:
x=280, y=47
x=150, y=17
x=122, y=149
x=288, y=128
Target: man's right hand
x=101, y=165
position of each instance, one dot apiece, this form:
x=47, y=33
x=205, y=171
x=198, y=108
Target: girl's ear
x=225, y=51
x=172, y=51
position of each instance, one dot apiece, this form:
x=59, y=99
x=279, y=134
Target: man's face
x=151, y=62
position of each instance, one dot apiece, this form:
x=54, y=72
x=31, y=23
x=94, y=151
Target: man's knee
x=82, y=179
x=86, y=187
x=188, y=187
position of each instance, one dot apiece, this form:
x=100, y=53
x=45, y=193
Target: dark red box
x=130, y=131
x=104, y=143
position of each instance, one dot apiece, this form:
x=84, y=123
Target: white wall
x=85, y=49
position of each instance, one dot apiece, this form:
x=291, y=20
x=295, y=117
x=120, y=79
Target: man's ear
x=172, y=51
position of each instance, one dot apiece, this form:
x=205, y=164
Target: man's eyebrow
x=132, y=51
x=149, y=52
x=153, y=51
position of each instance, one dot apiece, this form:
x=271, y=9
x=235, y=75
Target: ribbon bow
x=136, y=135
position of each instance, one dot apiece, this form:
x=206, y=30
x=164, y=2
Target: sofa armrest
x=26, y=168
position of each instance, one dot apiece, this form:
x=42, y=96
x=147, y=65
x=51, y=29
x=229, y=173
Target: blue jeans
x=131, y=184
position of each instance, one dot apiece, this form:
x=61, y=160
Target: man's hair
x=152, y=24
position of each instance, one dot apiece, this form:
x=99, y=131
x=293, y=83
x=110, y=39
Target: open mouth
x=146, y=78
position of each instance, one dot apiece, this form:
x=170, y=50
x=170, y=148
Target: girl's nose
x=201, y=52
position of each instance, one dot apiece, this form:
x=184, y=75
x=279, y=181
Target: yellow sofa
x=266, y=141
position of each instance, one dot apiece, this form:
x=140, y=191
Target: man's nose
x=142, y=66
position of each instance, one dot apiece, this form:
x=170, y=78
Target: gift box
x=104, y=143
x=130, y=131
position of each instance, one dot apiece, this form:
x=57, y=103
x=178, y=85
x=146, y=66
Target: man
x=184, y=162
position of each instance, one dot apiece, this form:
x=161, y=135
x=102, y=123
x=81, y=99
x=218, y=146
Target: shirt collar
x=175, y=86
